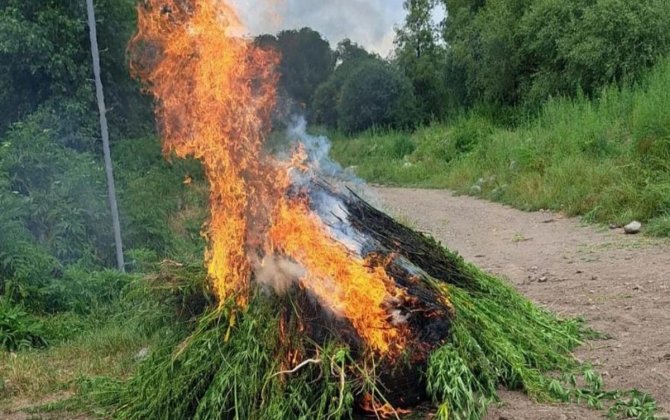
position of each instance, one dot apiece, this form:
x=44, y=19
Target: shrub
x=525, y=51
x=324, y=104
x=376, y=94
x=18, y=330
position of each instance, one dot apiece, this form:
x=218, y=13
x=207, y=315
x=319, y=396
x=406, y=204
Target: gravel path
x=619, y=283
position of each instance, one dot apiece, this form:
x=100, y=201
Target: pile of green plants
x=234, y=363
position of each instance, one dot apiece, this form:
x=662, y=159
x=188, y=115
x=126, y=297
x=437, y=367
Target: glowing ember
x=215, y=91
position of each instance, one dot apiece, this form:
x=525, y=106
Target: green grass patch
x=607, y=159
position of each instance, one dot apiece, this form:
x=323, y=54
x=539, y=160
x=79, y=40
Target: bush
x=55, y=226
x=82, y=291
x=324, y=104
x=525, y=51
x=576, y=45
x=18, y=330
x=62, y=192
x=159, y=211
x=376, y=95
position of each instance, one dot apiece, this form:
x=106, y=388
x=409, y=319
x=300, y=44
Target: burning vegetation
x=326, y=307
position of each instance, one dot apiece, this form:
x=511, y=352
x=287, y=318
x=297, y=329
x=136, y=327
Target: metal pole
x=95, y=52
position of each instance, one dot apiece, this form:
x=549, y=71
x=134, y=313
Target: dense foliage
x=19, y=330
x=306, y=61
x=375, y=94
x=45, y=62
x=524, y=51
x=422, y=57
x=55, y=229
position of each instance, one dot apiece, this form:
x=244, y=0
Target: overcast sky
x=367, y=22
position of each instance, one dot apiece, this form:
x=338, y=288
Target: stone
x=633, y=228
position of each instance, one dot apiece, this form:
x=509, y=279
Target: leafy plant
x=18, y=330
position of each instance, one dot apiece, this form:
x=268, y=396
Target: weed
x=18, y=329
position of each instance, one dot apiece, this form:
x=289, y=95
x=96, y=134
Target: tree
x=348, y=51
x=349, y=56
x=511, y=52
x=306, y=61
x=422, y=58
x=572, y=45
x=376, y=94
x=44, y=61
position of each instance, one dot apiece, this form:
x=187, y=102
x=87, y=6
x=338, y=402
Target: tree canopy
x=523, y=51
x=306, y=61
x=376, y=94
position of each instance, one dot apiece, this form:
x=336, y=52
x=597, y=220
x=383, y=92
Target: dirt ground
x=619, y=283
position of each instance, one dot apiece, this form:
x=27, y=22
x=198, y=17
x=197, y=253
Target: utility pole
x=111, y=190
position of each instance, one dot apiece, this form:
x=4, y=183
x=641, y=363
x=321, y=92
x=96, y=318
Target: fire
x=381, y=410
x=215, y=91
x=340, y=280
x=214, y=96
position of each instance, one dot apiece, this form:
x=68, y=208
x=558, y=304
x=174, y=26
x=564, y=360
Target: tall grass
x=607, y=159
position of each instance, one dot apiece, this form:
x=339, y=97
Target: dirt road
x=619, y=283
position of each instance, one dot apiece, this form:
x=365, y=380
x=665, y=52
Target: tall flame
x=215, y=92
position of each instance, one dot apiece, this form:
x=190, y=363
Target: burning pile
x=364, y=315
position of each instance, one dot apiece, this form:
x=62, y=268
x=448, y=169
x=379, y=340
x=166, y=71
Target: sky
x=368, y=22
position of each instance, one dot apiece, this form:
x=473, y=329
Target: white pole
x=105, y=135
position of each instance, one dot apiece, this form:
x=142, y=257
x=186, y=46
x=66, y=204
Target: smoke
x=367, y=22
x=322, y=168
x=278, y=273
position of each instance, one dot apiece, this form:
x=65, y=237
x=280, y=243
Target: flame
x=214, y=96
x=340, y=280
x=381, y=410
x=215, y=91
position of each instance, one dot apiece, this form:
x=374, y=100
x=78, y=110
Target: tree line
x=491, y=54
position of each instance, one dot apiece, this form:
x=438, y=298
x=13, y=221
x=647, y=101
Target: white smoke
x=330, y=209
x=278, y=273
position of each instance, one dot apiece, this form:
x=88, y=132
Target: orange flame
x=340, y=280
x=215, y=92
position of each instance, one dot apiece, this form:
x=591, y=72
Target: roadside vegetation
x=67, y=322
x=606, y=158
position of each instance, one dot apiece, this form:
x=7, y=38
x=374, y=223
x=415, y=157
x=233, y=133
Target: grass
x=87, y=352
x=606, y=159
x=36, y=374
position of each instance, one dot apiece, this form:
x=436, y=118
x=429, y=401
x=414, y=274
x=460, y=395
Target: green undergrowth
x=104, y=343
x=242, y=364
x=607, y=159
x=501, y=339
